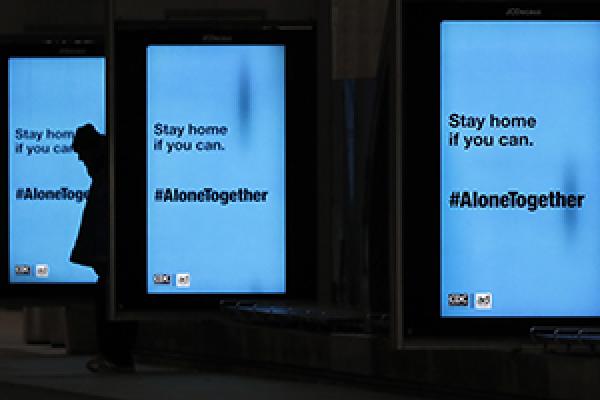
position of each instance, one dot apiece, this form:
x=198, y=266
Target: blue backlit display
x=48, y=99
x=215, y=146
x=520, y=155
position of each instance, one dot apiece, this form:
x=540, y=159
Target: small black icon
x=162, y=279
x=458, y=299
x=23, y=270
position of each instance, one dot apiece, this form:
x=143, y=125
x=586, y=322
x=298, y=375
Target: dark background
x=349, y=335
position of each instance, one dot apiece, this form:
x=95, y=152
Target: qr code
x=182, y=280
x=458, y=299
x=483, y=301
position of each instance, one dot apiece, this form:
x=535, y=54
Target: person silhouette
x=115, y=339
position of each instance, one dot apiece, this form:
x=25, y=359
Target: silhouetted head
x=91, y=148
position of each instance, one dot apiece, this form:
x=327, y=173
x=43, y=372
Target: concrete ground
x=41, y=372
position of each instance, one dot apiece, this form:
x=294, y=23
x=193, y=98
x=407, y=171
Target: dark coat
x=91, y=246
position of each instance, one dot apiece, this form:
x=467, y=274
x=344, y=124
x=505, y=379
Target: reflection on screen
x=520, y=155
x=216, y=169
x=48, y=99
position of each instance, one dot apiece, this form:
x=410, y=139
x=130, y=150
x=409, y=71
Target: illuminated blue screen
x=520, y=162
x=216, y=169
x=48, y=99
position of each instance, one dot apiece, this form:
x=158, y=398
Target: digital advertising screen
x=216, y=169
x=519, y=152
x=48, y=98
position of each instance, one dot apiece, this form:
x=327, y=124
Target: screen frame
x=48, y=46
x=418, y=168
x=131, y=41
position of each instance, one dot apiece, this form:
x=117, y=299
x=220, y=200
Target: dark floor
x=44, y=373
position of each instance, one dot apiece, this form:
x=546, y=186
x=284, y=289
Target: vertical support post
x=324, y=153
x=109, y=50
x=396, y=176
